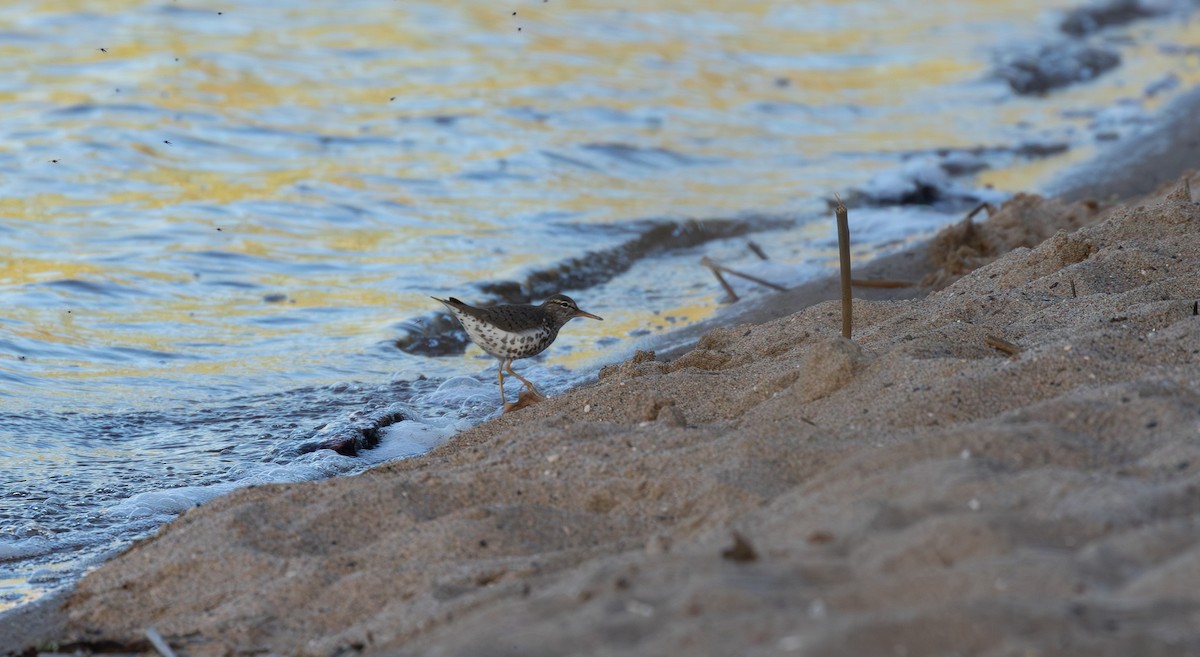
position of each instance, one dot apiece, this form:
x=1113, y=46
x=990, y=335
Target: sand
x=775, y=490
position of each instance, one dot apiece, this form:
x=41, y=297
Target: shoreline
x=43, y=621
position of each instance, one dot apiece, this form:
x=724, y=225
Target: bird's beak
x=580, y=313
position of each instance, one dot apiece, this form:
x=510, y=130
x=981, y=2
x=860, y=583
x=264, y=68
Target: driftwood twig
x=716, y=270
x=843, y=230
x=1002, y=344
x=719, y=269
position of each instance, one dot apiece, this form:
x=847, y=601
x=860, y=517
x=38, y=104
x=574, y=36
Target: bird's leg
x=500, y=378
x=532, y=388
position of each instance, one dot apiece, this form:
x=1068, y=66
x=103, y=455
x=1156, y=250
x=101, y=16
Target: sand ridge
x=915, y=491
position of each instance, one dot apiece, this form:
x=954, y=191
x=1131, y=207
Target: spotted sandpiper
x=513, y=331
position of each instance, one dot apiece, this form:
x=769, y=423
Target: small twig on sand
x=752, y=279
x=843, y=228
x=716, y=270
x=159, y=643
x=1002, y=344
x=865, y=282
x=991, y=209
x=762, y=255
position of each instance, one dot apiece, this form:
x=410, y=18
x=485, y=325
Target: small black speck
x=482, y=543
x=23, y=358
x=166, y=142
x=514, y=13
x=54, y=161
x=518, y=29
x=1151, y=424
x=68, y=312
x=392, y=98
x=218, y=229
x=218, y=13
x=102, y=49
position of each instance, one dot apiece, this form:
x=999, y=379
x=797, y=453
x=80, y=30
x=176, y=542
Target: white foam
x=457, y=392
x=893, y=185
x=24, y=548
x=400, y=440
x=409, y=438
x=1122, y=114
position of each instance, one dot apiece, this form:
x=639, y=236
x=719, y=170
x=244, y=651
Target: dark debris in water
x=1089, y=19
x=1056, y=65
x=1072, y=60
x=351, y=437
x=438, y=334
x=929, y=187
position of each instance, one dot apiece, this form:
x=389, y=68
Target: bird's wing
x=515, y=318
x=459, y=308
x=508, y=317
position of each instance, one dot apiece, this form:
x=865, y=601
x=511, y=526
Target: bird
x=512, y=331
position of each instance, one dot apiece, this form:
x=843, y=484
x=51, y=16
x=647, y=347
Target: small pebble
x=639, y=608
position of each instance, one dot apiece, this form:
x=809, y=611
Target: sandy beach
x=774, y=489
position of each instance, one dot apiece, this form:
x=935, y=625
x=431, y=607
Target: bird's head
x=562, y=309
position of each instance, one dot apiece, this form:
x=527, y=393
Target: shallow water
x=216, y=224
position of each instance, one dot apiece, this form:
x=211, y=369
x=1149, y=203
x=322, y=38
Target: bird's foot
x=533, y=392
x=526, y=398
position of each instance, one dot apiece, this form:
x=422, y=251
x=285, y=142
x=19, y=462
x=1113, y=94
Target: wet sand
x=773, y=490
